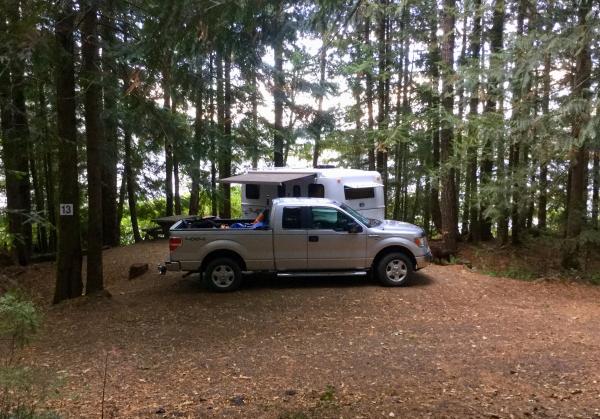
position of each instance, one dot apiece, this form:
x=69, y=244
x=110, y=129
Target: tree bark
x=94, y=132
x=110, y=227
x=15, y=142
x=197, y=146
x=212, y=149
x=576, y=206
x=448, y=202
x=494, y=96
x=278, y=93
x=226, y=155
x=68, y=259
x=543, y=196
x=434, y=73
x=369, y=98
x=166, y=86
x=319, y=128
x=37, y=163
x=131, y=185
x=595, y=188
x=474, y=222
x=382, y=99
x=175, y=157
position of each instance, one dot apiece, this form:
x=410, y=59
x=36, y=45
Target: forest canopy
x=482, y=116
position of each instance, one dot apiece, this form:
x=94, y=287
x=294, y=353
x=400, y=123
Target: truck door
x=289, y=240
x=330, y=245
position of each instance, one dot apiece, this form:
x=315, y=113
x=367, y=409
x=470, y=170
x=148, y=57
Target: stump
x=439, y=251
x=137, y=269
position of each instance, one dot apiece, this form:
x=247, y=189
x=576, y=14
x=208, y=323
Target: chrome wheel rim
x=222, y=276
x=396, y=270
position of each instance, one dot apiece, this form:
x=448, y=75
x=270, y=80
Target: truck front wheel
x=223, y=275
x=394, y=269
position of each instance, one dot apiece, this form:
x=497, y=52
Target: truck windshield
x=369, y=222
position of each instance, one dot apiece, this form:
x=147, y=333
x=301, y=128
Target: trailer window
x=252, y=191
x=316, y=190
x=292, y=218
x=359, y=193
x=281, y=191
x=296, y=191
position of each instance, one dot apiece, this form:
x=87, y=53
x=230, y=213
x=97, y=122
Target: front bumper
x=423, y=261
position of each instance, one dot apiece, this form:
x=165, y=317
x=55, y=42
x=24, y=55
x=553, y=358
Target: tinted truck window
x=292, y=218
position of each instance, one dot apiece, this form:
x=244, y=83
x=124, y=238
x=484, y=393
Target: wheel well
x=223, y=254
x=393, y=249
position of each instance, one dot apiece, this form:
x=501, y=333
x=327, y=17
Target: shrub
x=21, y=386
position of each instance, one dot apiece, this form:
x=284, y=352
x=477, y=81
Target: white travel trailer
x=359, y=189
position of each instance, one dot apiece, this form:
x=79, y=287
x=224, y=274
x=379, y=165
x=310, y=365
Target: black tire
x=223, y=275
x=395, y=269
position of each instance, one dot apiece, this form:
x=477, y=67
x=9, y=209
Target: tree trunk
x=278, y=93
x=197, y=146
x=576, y=206
x=595, y=188
x=255, y=154
x=474, y=222
x=225, y=160
x=131, y=185
x=369, y=98
x=322, y=64
x=448, y=202
x=434, y=73
x=494, y=96
x=68, y=258
x=175, y=156
x=381, y=152
x=15, y=143
x=36, y=163
x=168, y=146
x=212, y=145
x=543, y=197
x=110, y=227
x=94, y=132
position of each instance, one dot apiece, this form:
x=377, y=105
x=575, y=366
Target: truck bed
x=214, y=223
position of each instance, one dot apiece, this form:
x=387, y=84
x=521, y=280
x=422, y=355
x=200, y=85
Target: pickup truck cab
x=301, y=237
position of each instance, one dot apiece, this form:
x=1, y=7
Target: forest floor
x=455, y=343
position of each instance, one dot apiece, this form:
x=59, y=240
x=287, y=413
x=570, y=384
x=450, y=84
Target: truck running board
x=325, y=273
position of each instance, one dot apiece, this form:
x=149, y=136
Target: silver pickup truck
x=299, y=237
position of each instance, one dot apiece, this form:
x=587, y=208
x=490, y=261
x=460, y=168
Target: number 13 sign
x=66, y=209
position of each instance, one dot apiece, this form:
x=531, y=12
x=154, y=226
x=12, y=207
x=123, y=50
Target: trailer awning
x=266, y=178
x=358, y=185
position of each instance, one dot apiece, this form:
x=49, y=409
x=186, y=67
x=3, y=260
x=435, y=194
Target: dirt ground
x=455, y=343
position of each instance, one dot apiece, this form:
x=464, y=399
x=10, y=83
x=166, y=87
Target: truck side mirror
x=354, y=228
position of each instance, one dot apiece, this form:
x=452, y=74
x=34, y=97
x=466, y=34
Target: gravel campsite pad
x=455, y=343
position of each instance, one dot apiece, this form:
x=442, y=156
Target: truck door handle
x=313, y=238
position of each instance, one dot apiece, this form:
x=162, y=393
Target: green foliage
x=328, y=395
x=22, y=387
x=19, y=320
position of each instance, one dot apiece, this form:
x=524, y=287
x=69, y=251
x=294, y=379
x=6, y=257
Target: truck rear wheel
x=223, y=275
x=394, y=269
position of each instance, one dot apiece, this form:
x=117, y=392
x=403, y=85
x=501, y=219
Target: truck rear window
x=292, y=218
x=359, y=193
x=252, y=191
